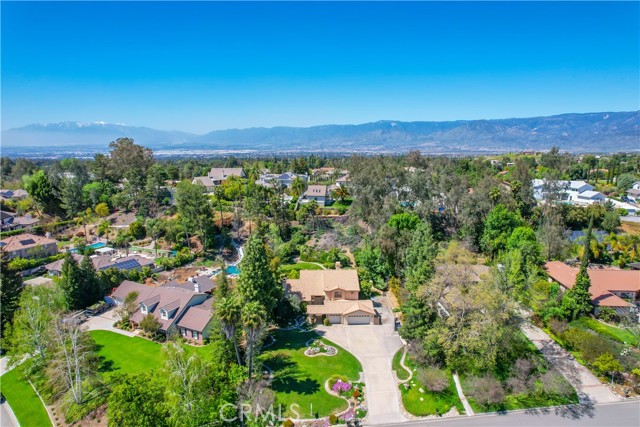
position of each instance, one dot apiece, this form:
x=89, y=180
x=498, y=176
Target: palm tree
x=253, y=321
x=298, y=187
x=228, y=311
x=341, y=193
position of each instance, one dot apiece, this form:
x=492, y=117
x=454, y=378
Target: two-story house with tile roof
x=332, y=295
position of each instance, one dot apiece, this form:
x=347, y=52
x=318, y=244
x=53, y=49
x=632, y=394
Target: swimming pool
x=92, y=246
x=233, y=269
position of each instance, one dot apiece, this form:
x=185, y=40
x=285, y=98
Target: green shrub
x=333, y=419
x=288, y=423
x=326, y=322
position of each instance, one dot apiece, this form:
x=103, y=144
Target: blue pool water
x=233, y=269
x=92, y=246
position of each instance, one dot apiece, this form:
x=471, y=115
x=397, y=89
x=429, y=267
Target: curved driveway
x=374, y=346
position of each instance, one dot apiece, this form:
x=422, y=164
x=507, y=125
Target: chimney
x=338, y=265
x=196, y=287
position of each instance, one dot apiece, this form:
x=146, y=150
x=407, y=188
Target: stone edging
x=319, y=353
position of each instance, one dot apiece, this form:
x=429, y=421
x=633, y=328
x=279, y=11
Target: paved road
x=7, y=417
x=621, y=414
x=589, y=388
x=374, y=346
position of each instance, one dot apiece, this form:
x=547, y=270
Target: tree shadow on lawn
x=287, y=376
x=292, y=340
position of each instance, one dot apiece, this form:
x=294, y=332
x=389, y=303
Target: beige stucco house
x=332, y=295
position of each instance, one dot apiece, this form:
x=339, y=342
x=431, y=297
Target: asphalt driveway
x=374, y=346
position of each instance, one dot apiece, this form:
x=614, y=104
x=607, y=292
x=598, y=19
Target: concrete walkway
x=589, y=388
x=463, y=398
x=374, y=346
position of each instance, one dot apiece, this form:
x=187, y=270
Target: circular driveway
x=374, y=346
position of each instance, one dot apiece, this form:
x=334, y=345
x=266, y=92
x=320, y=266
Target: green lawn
x=299, y=379
x=23, y=400
x=401, y=373
x=618, y=334
x=442, y=402
x=122, y=354
x=302, y=265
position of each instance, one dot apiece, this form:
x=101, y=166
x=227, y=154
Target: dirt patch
x=632, y=228
x=97, y=418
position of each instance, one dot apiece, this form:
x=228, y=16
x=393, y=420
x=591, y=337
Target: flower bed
x=353, y=393
x=318, y=348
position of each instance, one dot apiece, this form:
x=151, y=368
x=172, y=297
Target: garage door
x=359, y=319
x=335, y=318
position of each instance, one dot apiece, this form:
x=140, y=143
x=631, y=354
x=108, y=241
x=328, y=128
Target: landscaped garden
x=300, y=379
x=523, y=381
x=618, y=334
x=429, y=391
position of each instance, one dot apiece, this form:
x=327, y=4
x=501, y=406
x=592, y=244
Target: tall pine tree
x=256, y=281
x=71, y=283
x=10, y=289
x=90, y=283
x=577, y=300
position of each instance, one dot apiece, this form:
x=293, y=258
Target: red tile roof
x=603, y=282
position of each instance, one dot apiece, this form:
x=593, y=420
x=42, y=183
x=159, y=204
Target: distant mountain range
x=589, y=132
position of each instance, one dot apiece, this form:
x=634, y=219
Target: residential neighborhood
x=318, y=214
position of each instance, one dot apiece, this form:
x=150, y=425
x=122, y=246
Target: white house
x=319, y=193
x=217, y=176
x=283, y=179
x=633, y=195
x=636, y=185
x=590, y=196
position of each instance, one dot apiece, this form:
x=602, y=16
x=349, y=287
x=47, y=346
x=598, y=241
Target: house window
x=194, y=335
x=163, y=314
x=143, y=309
x=337, y=294
x=184, y=332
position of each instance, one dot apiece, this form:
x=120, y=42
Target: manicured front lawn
x=299, y=379
x=431, y=403
x=23, y=400
x=618, y=334
x=122, y=354
x=401, y=373
x=302, y=265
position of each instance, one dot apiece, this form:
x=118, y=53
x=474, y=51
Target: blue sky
x=209, y=65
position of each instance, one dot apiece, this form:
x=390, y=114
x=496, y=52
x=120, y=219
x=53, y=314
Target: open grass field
x=122, y=354
x=618, y=334
x=299, y=379
x=23, y=400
